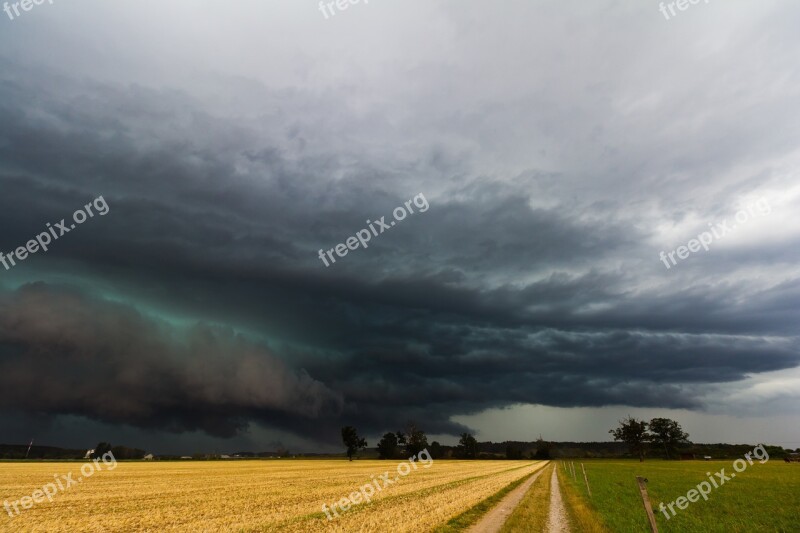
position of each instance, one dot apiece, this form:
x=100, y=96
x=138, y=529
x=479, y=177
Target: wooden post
x=586, y=479
x=574, y=477
x=646, y=502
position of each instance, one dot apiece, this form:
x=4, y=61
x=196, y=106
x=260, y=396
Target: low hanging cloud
x=66, y=352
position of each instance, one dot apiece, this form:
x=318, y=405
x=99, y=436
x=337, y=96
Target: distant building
x=88, y=454
x=148, y=457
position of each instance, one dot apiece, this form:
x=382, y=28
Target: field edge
x=469, y=517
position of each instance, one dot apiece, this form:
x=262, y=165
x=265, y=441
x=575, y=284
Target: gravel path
x=495, y=518
x=557, y=519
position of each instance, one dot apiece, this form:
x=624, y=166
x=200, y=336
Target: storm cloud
x=554, y=178
x=68, y=353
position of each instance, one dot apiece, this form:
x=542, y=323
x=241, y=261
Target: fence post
x=586, y=479
x=646, y=501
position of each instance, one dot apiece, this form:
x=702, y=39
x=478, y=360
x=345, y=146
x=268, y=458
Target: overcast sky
x=560, y=147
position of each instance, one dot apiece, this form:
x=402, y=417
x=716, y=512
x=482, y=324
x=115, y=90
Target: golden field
x=251, y=495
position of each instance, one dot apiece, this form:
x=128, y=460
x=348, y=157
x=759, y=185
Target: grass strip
x=582, y=514
x=471, y=516
x=531, y=514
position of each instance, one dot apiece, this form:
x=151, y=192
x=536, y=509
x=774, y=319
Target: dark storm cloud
x=486, y=300
x=63, y=352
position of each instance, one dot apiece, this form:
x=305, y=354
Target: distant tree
x=513, y=451
x=467, y=446
x=542, y=449
x=123, y=452
x=667, y=433
x=352, y=441
x=387, y=447
x=436, y=450
x=633, y=433
x=100, y=449
x=416, y=441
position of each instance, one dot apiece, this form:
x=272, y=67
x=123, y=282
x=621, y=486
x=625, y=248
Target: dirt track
x=557, y=520
x=497, y=516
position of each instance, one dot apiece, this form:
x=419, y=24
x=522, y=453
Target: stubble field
x=252, y=495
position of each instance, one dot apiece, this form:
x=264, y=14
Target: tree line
x=392, y=445
x=664, y=433
x=639, y=435
x=119, y=452
x=402, y=444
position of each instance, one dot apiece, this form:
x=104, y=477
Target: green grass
x=764, y=497
x=530, y=516
x=471, y=516
x=582, y=516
